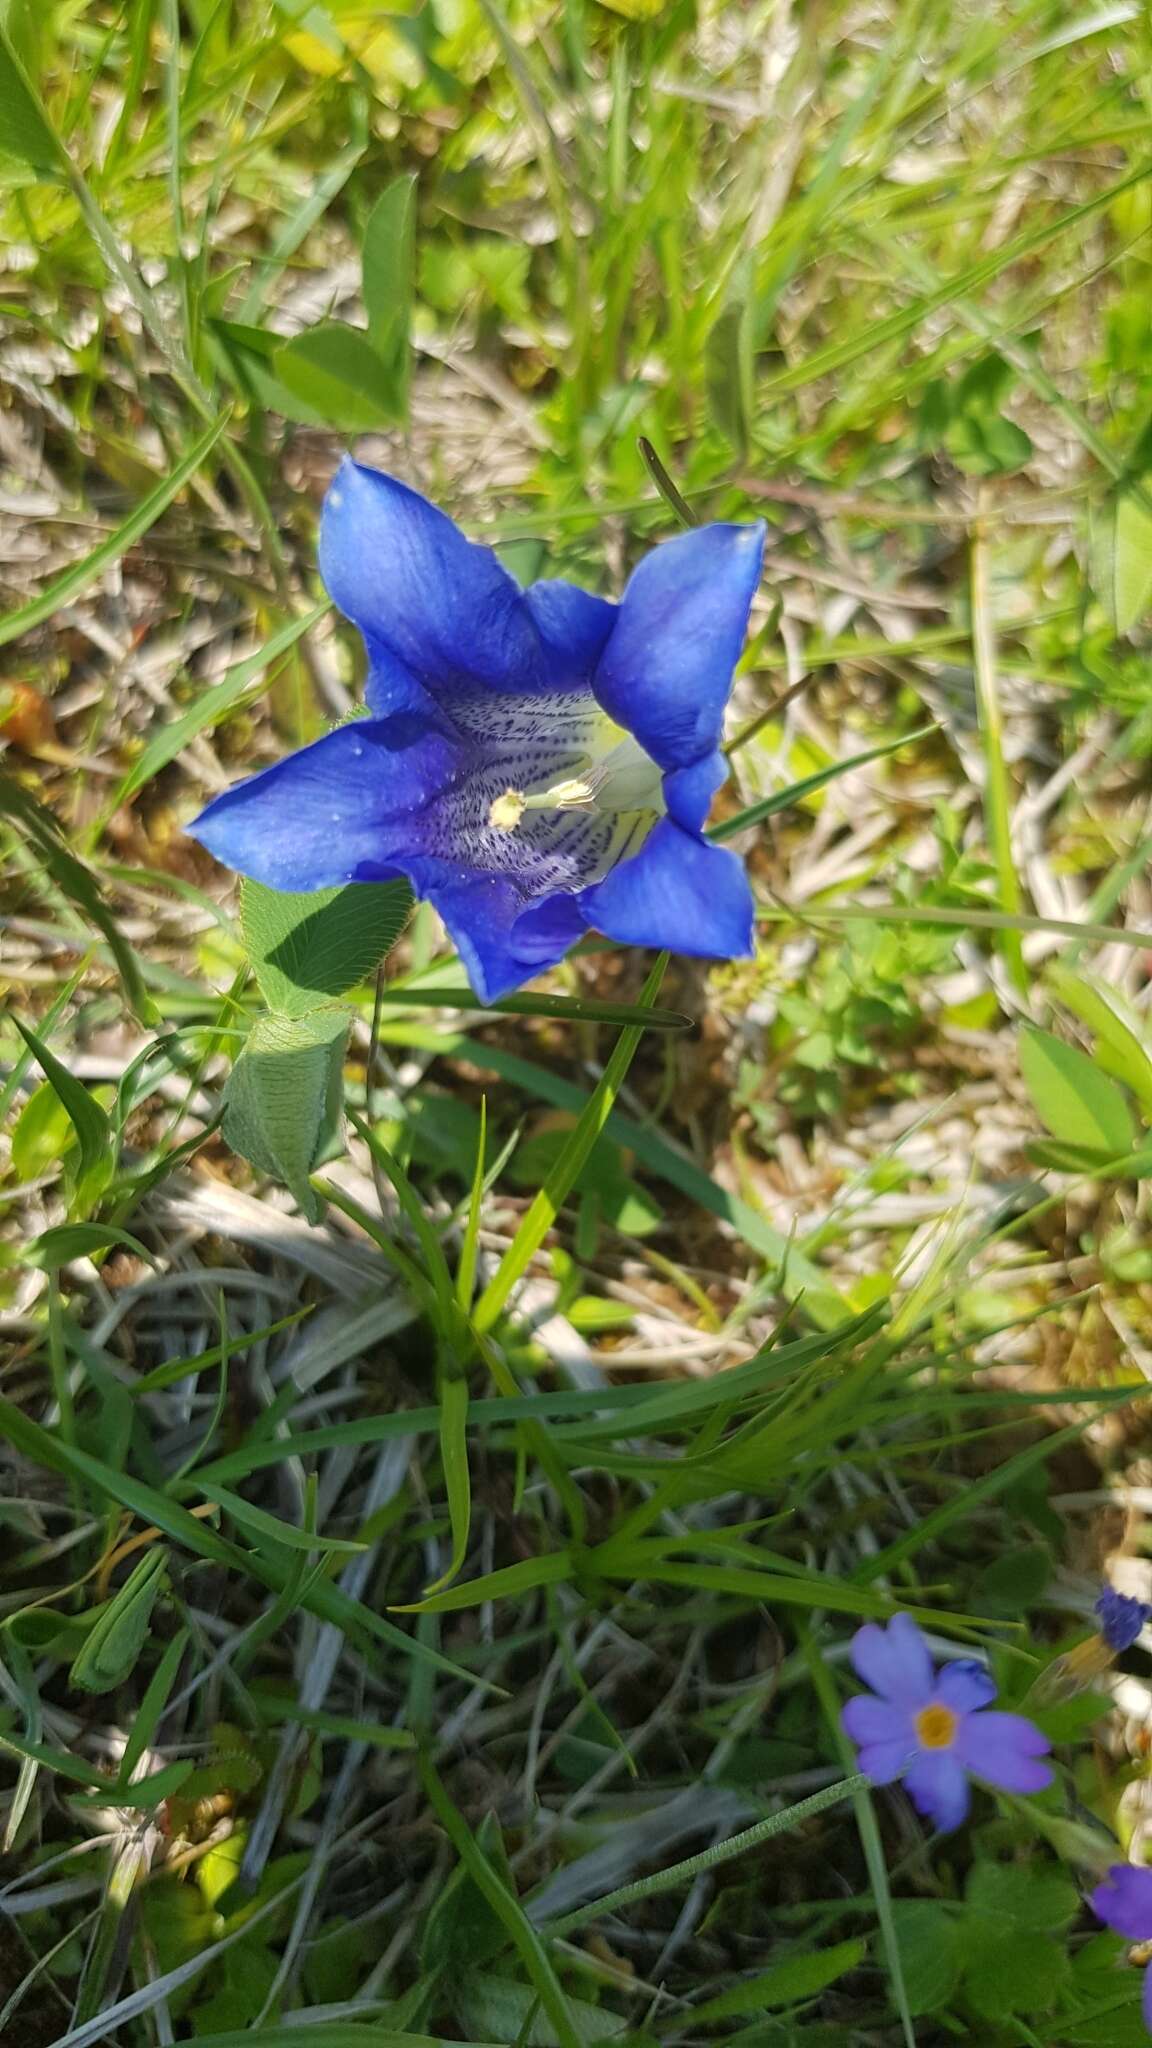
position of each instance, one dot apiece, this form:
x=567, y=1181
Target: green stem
x=708, y=1859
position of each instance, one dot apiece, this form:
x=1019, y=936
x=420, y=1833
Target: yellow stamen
x=573, y=795
x=506, y=811
x=936, y=1727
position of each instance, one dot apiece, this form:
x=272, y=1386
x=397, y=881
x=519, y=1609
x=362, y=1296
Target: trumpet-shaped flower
x=1121, y=1618
x=537, y=762
x=931, y=1728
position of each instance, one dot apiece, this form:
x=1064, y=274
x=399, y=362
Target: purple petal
x=867, y=1719
x=1004, y=1749
x=964, y=1685
x=435, y=605
x=894, y=1661
x=938, y=1788
x=667, y=669
x=1124, y=1902
x=677, y=892
x=882, y=1762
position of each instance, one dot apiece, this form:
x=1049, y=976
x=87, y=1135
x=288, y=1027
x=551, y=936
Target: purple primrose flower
x=1124, y=1902
x=537, y=762
x=930, y=1728
x=1121, y=1618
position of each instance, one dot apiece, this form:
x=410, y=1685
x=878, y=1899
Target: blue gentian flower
x=537, y=762
x=1124, y=1902
x=1121, y=1618
x=931, y=1728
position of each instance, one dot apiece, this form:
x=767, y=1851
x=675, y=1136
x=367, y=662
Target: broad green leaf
x=1011, y=1969
x=1132, y=560
x=284, y=1096
x=389, y=280
x=1078, y=1103
x=213, y=705
x=1041, y=1899
x=26, y=133
x=121, y=1628
x=786, y=1983
x=928, y=1936
x=67, y=1241
x=510, y=2010
x=1120, y=1045
x=339, y=379
x=97, y=1161
x=308, y=947
x=42, y=1134
x=81, y=574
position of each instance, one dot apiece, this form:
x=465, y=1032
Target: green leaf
x=37, y=825
x=121, y=1628
x=284, y=1096
x=1008, y=1969
x=1023, y=1895
x=1132, y=560
x=25, y=130
x=117, y=543
x=457, y=1480
x=389, y=280
x=463, y=1928
x=97, y=1161
x=1120, y=1045
x=531, y=1949
x=542, y=1211
x=338, y=378
x=67, y=1241
x=928, y=1935
x=306, y=947
x=784, y=799
x=501, y=2006
x=329, y=2034
x=42, y=1133
x=786, y=1983
x=1078, y=1103
x=212, y=705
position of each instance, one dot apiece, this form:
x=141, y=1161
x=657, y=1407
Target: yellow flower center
x=936, y=1727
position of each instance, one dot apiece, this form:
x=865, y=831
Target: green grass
x=428, y=1621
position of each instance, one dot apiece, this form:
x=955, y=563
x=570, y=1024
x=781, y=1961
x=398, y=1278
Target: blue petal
x=894, y=1661
x=431, y=604
x=336, y=811
x=1006, y=1749
x=667, y=669
x=937, y=1787
x=688, y=792
x=574, y=627
x=677, y=892
x=503, y=939
x=965, y=1685
x=867, y=1720
x=1124, y=1901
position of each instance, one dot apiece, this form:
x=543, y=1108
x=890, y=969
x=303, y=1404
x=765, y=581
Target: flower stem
x=721, y=1852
